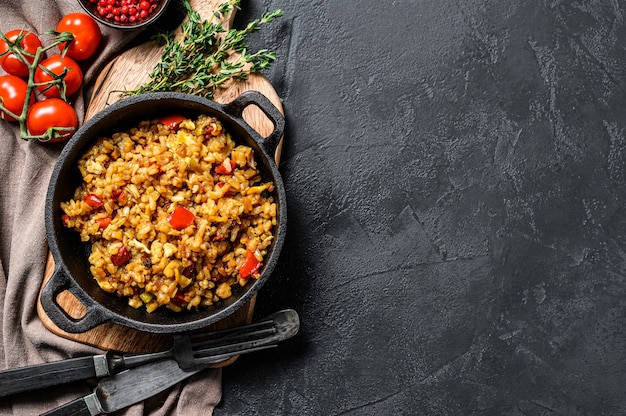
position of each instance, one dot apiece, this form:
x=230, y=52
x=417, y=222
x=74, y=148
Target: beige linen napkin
x=25, y=169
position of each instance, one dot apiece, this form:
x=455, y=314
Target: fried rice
x=176, y=213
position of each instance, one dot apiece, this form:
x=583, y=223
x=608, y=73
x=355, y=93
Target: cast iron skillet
x=71, y=255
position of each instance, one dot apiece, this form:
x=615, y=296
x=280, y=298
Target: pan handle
x=59, y=282
x=235, y=108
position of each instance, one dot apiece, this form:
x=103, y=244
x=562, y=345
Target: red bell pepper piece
x=122, y=257
x=180, y=218
x=251, y=266
x=179, y=299
x=118, y=195
x=190, y=271
x=173, y=121
x=104, y=222
x=226, y=167
x=93, y=200
x=208, y=131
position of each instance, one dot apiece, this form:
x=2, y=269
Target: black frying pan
x=71, y=255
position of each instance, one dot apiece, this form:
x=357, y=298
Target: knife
x=29, y=378
x=126, y=388
x=189, y=350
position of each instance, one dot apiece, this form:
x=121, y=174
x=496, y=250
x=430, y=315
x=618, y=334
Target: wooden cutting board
x=128, y=71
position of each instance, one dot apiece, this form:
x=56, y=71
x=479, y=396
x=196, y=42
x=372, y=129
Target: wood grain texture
x=128, y=71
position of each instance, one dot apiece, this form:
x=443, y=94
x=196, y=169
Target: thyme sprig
x=206, y=56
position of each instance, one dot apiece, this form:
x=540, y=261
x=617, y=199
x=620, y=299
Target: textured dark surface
x=457, y=235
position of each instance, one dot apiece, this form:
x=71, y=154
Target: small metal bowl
x=91, y=9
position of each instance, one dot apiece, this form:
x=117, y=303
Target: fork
x=200, y=349
x=194, y=350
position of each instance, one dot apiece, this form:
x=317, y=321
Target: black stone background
x=455, y=173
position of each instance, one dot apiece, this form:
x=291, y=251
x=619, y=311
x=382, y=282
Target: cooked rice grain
x=134, y=181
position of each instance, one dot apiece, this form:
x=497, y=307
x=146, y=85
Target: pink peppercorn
x=132, y=11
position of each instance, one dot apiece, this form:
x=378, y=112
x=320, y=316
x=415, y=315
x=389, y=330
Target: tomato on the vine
x=10, y=62
x=13, y=95
x=87, y=35
x=56, y=65
x=53, y=118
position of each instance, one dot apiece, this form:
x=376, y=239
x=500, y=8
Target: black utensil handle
x=235, y=108
x=58, y=283
x=84, y=406
x=33, y=377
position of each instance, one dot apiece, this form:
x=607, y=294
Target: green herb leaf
x=200, y=61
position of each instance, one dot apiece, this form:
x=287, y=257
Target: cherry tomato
x=47, y=115
x=13, y=95
x=10, y=62
x=87, y=35
x=56, y=65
